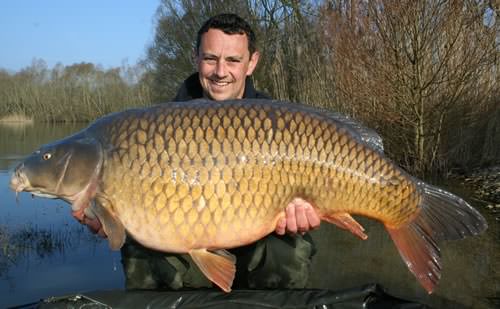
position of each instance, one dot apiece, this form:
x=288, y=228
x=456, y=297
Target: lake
x=45, y=252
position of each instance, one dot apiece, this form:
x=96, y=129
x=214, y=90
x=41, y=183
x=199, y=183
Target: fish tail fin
x=442, y=216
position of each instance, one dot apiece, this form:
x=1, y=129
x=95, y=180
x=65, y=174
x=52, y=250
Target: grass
x=32, y=241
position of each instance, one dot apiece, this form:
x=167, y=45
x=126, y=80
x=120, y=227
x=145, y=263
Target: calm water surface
x=45, y=252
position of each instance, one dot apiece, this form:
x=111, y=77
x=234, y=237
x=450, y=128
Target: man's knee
x=148, y=269
x=279, y=262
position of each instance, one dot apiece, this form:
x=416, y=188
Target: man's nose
x=220, y=68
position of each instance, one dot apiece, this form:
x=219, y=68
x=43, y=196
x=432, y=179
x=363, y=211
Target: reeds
x=39, y=242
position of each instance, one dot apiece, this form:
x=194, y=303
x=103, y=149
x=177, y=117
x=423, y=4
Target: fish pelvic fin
x=442, y=216
x=344, y=221
x=219, y=266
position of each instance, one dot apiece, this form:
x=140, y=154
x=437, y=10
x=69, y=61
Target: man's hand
x=93, y=224
x=300, y=218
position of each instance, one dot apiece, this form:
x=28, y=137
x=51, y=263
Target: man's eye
x=209, y=60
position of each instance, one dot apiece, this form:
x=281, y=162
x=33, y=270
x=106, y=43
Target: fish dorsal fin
x=218, y=266
x=358, y=130
x=112, y=226
x=367, y=135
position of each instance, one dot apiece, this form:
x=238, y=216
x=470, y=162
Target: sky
x=104, y=32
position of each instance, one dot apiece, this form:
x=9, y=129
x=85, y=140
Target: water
x=45, y=252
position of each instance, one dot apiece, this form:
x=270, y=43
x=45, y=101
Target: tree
x=408, y=65
x=78, y=92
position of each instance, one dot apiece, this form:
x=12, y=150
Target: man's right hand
x=300, y=217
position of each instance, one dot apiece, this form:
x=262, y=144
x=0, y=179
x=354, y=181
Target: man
x=226, y=57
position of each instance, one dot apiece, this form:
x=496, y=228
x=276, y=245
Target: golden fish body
x=200, y=176
x=183, y=176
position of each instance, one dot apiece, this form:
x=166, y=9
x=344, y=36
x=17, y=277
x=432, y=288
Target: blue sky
x=104, y=32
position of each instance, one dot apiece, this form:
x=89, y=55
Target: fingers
x=281, y=226
x=291, y=222
x=79, y=215
x=300, y=216
x=312, y=217
x=92, y=223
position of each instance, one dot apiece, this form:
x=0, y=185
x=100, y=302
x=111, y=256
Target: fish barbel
x=201, y=176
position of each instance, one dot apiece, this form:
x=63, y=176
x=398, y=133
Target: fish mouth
x=19, y=182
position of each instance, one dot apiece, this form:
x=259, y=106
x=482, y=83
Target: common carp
x=198, y=177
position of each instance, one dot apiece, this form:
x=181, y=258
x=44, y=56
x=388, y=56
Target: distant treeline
x=424, y=74
x=74, y=93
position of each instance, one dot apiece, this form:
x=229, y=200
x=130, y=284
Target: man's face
x=224, y=62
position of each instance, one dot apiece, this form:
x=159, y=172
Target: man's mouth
x=219, y=83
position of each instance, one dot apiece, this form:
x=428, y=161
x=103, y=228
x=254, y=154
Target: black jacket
x=191, y=89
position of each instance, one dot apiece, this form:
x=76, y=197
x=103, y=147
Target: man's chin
x=220, y=96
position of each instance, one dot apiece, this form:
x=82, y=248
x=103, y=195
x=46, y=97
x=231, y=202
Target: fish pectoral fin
x=112, y=226
x=218, y=266
x=346, y=222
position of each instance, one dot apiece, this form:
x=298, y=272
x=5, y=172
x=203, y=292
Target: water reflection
x=17, y=141
x=45, y=252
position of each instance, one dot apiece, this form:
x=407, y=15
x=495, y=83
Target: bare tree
x=407, y=65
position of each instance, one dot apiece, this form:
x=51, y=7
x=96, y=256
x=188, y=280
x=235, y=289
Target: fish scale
x=196, y=177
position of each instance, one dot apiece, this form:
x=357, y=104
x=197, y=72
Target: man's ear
x=254, y=59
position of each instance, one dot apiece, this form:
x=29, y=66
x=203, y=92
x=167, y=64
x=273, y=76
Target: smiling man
x=224, y=64
x=226, y=57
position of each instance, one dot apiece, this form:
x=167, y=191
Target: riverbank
x=16, y=121
x=484, y=184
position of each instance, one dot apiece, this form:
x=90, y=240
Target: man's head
x=225, y=55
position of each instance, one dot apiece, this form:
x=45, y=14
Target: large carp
x=200, y=176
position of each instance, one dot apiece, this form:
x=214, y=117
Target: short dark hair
x=229, y=24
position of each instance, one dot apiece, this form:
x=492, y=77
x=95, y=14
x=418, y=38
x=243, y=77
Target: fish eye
x=46, y=156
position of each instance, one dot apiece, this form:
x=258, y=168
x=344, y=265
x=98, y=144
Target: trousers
x=272, y=262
